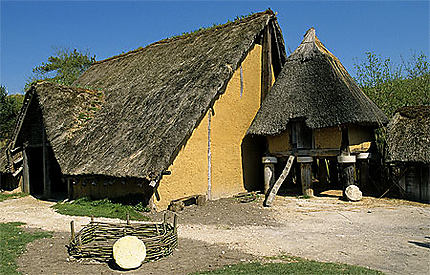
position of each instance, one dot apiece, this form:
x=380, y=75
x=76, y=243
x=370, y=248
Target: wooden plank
x=17, y=172
x=311, y=152
x=26, y=174
x=270, y=196
x=266, y=63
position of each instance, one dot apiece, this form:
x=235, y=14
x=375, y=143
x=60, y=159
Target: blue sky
x=30, y=30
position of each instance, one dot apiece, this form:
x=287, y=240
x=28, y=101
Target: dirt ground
x=392, y=236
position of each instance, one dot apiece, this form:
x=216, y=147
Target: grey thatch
x=314, y=86
x=151, y=100
x=409, y=135
x=4, y=163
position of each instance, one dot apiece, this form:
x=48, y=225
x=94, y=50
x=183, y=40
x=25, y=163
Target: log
x=353, y=193
x=270, y=195
x=306, y=177
x=129, y=252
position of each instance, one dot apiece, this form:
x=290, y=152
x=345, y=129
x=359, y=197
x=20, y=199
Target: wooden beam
x=270, y=196
x=26, y=173
x=309, y=152
x=266, y=63
x=46, y=181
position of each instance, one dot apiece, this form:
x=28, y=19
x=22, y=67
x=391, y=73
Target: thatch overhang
x=4, y=163
x=314, y=86
x=153, y=98
x=409, y=135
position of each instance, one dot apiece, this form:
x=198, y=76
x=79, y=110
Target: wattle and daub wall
x=233, y=114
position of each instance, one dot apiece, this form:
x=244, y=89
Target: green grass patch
x=12, y=244
x=101, y=208
x=4, y=197
x=292, y=265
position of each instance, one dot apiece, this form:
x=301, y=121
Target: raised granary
x=181, y=105
x=316, y=110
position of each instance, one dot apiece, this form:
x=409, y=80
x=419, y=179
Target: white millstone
x=353, y=193
x=346, y=159
x=129, y=252
x=269, y=160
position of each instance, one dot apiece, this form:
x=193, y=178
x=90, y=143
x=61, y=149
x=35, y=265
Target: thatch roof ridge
x=314, y=86
x=187, y=35
x=408, y=137
x=152, y=102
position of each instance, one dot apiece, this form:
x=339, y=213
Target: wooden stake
x=175, y=221
x=128, y=219
x=72, y=230
x=92, y=218
x=79, y=241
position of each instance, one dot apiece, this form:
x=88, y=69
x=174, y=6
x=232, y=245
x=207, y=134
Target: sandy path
x=391, y=236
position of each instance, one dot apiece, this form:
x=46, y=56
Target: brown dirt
x=384, y=234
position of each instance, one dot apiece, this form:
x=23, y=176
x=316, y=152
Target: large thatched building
x=408, y=148
x=315, y=109
x=181, y=105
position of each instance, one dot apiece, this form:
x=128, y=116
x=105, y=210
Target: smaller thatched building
x=316, y=110
x=408, y=146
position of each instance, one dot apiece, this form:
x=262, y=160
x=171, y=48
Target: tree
x=393, y=86
x=64, y=67
x=10, y=105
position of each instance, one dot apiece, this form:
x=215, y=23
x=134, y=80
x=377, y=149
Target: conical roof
x=314, y=86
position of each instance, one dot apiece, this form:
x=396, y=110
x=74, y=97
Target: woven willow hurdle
x=96, y=239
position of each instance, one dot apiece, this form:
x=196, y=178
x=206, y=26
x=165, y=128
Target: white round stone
x=353, y=193
x=129, y=252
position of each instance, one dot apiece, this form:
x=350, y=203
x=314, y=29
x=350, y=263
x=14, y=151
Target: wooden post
x=72, y=230
x=128, y=219
x=175, y=222
x=363, y=166
x=92, y=218
x=306, y=175
x=26, y=175
x=269, y=172
x=266, y=63
x=347, y=163
x=45, y=165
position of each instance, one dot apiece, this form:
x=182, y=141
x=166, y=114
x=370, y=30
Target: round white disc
x=129, y=252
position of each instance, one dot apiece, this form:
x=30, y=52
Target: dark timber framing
x=266, y=62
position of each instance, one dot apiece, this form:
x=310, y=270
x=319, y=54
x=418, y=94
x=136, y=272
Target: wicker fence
x=96, y=239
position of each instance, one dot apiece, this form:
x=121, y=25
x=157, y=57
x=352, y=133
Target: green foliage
x=4, y=197
x=292, y=265
x=393, y=86
x=10, y=105
x=12, y=243
x=100, y=208
x=64, y=67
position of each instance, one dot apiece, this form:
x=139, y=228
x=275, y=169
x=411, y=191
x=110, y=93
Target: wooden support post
x=26, y=174
x=79, y=241
x=175, y=222
x=128, y=218
x=269, y=172
x=363, y=168
x=92, y=218
x=347, y=164
x=72, y=230
x=266, y=63
x=306, y=175
x=45, y=167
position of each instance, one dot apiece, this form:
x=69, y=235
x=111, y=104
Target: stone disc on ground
x=129, y=252
x=353, y=193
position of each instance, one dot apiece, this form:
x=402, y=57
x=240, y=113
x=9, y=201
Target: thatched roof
x=4, y=164
x=151, y=101
x=409, y=135
x=314, y=86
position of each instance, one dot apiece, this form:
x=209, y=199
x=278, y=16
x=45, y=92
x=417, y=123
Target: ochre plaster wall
x=280, y=143
x=328, y=138
x=233, y=116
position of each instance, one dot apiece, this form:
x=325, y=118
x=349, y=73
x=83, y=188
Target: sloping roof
x=409, y=135
x=151, y=100
x=314, y=86
x=4, y=164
